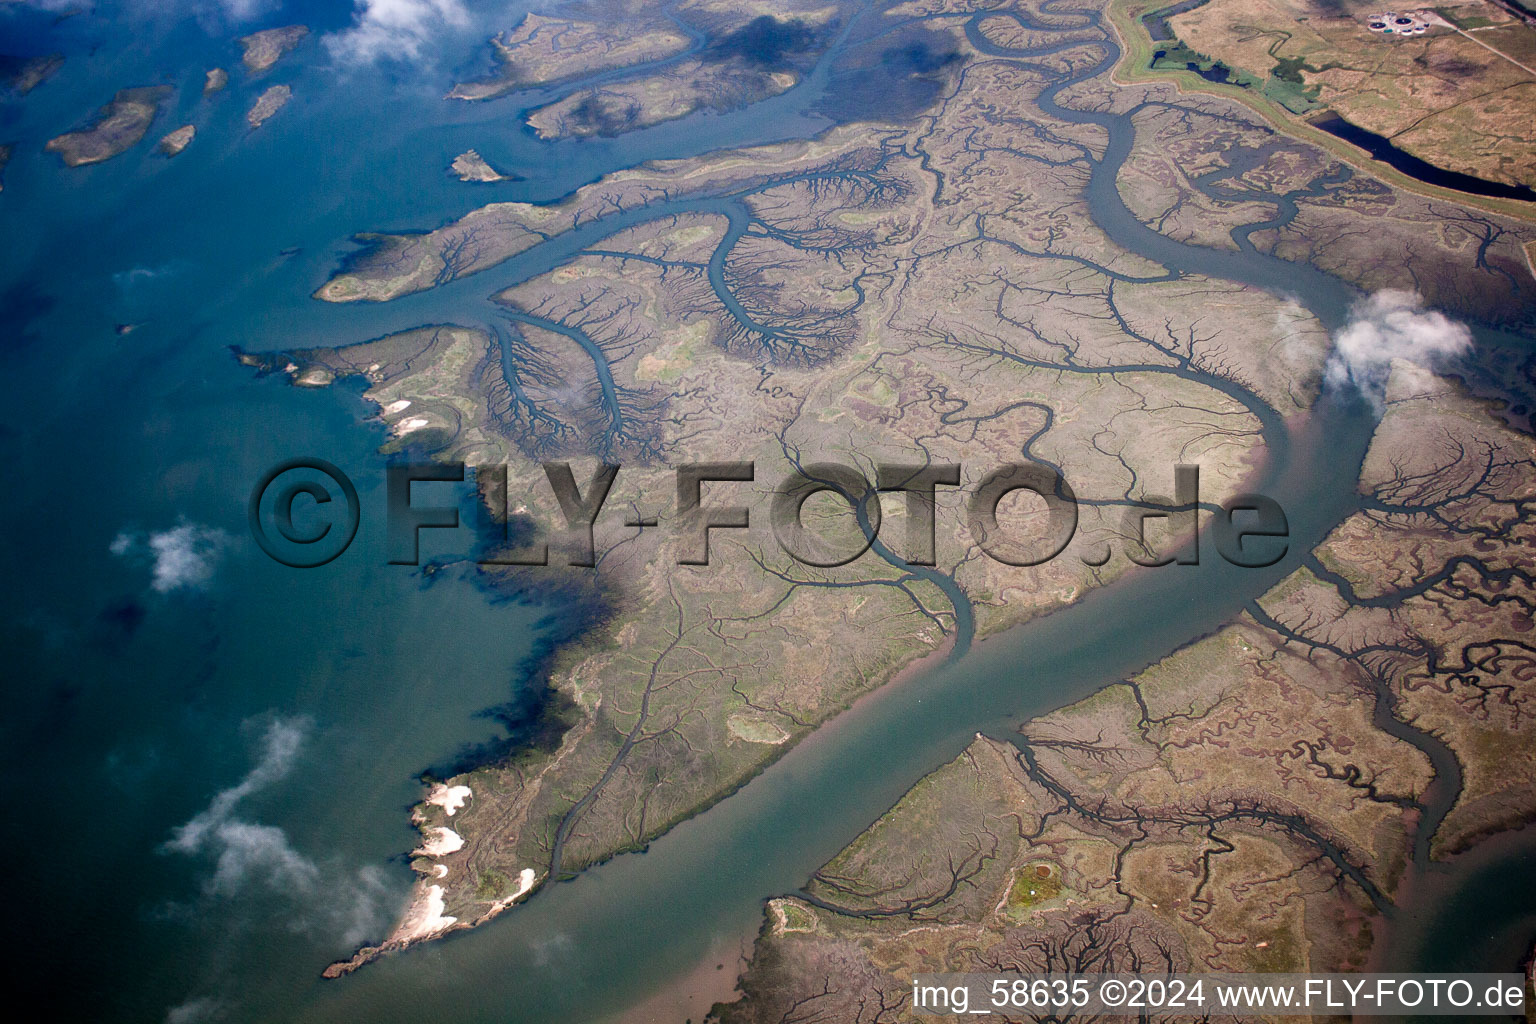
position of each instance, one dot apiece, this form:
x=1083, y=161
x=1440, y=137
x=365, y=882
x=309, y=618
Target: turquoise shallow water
x=129, y=708
x=132, y=709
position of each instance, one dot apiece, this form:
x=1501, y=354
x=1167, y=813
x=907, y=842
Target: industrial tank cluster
x=1390, y=23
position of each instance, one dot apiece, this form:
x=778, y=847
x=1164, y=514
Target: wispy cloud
x=45, y=5
x=206, y=11
x=394, y=29
x=134, y=277
x=194, y=1011
x=242, y=10
x=184, y=556
x=355, y=904
x=259, y=879
x=363, y=905
x=1392, y=324
x=246, y=851
x=257, y=853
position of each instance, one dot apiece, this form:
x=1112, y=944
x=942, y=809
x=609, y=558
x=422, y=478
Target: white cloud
x=246, y=851
x=257, y=853
x=184, y=556
x=364, y=906
x=394, y=29
x=1392, y=324
x=244, y=10
x=258, y=878
x=280, y=749
x=356, y=904
x=194, y=1011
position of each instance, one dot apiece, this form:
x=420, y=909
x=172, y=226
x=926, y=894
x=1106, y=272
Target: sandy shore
x=440, y=842
x=425, y=917
x=449, y=798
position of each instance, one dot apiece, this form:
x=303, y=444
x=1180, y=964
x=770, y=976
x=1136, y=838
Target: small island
x=267, y=104
x=264, y=49
x=177, y=140
x=5, y=158
x=542, y=50
x=216, y=80
x=27, y=73
x=471, y=166
x=119, y=126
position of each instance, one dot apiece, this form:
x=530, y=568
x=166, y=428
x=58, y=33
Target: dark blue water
x=1383, y=149
x=128, y=707
x=1156, y=22
x=131, y=708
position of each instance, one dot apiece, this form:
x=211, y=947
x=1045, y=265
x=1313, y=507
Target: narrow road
x=1435, y=19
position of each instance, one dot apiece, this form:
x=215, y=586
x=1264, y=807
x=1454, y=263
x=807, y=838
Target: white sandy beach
x=449, y=798
x=440, y=841
x=424, y=918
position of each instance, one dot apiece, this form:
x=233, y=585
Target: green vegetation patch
x=1289, y=69
x=1284, y=84
x=1036, y=883
x=1461, y=19
x=493, y=885
x=756, y=730
x=1296, y=97
x=796, y=917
